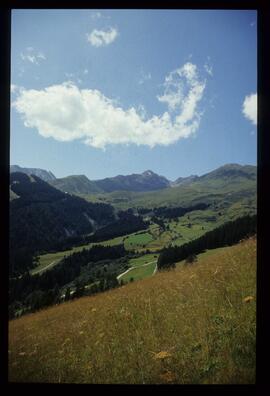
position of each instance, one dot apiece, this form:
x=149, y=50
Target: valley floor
x=195, y=324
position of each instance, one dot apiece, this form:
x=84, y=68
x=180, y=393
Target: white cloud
x=96, y=15
x=100, y=38
x=40, y=55
x=144, y=77
x=65, y=113
x=31, y=56
x=183, y=90
x=249, y=108
x=13, y=88
x=85, y=71
x=208, y=69
x=69, y=75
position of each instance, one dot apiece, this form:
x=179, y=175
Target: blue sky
x=108, y=92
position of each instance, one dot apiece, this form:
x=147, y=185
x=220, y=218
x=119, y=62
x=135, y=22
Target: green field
x=139, y=261
x=141, y=268
x=138, y=241
x=139, y=273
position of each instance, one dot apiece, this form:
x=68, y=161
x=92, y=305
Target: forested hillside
x=43, y=217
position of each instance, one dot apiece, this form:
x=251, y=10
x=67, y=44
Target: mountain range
x=144, y=182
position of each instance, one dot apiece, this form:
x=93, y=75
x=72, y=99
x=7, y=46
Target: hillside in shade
x=42, y=217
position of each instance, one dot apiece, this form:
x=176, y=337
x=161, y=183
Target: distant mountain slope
x=76, y=184
x=231, y=172
x=184, y=180
x=41, y=173
x=42, y=217
x=147, y=181
x=228, y=184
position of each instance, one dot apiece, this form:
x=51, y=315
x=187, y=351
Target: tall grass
x=190, y=325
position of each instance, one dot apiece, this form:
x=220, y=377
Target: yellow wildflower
x=162, y=355
x=248, y=299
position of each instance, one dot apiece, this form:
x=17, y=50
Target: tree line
x=171, y=213
x=43, y=289
x=225, y=235
x=127, y=223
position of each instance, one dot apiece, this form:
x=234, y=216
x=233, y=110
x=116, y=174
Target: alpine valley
x=114, y=241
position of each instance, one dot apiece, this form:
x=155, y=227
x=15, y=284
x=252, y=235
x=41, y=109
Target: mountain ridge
x=41, y=173
x=136, y=182
x=73, y=184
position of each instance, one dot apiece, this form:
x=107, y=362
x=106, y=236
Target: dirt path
x=34, y=272
x=155, y=270
x=137, y=266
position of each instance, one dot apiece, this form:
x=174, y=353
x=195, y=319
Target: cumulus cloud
x=65, y=113
x=100, y=38
x=249, y=108
x=183, y=90
x=32, y=56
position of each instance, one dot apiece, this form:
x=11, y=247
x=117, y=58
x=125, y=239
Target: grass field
x=144, y=267
x=178, y=231
x=142, y=260
x=138, y=241
x=192, y=325
x=139, y=273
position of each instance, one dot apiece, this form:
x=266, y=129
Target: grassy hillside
x=207, y=192
x=194, y=324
